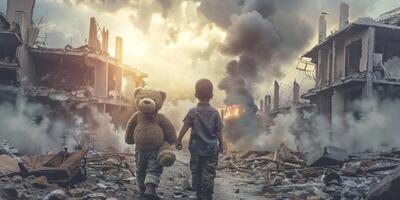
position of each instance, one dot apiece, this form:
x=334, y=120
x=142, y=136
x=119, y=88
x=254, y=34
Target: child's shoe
x=151, y=193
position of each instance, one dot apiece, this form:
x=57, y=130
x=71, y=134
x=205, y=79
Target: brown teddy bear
x=153, y=134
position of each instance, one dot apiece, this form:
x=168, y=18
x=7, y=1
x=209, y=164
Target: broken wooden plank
x=275, y=161
x=240, y=169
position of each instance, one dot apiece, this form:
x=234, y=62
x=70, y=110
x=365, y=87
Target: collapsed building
x=66, y=79
x=360, y=60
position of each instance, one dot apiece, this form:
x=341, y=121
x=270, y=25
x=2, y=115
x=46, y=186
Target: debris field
x=329, y=173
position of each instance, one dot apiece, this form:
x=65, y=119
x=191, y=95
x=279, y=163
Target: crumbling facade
x=361, y=59
x=64, y=77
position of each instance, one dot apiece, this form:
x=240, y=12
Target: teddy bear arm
x=130, y=127
x=168, y=128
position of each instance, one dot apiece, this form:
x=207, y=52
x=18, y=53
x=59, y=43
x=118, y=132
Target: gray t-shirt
x=205, y=123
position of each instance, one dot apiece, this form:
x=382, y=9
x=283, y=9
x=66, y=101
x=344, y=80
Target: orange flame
x=233, y=112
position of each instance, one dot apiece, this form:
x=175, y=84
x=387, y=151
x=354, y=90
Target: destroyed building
x=64, y=78
x=361, y=59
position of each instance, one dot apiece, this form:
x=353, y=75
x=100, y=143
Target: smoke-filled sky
x=179, y=41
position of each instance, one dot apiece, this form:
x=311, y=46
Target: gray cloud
x=266, y=8
x=220, y=11
x=252, y=35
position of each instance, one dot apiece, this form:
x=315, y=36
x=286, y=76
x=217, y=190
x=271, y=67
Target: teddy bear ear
x=136, y=91
x=163, y=95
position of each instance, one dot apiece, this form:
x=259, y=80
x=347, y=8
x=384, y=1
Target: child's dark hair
x=204, y=90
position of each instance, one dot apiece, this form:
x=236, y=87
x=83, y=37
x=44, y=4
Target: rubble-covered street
x=110, y=175
x=281, y=174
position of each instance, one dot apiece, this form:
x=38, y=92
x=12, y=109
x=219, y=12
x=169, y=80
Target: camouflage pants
x=203, y=173
x=148, y=170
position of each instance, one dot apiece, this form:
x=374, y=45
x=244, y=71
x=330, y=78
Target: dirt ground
x=227, y=185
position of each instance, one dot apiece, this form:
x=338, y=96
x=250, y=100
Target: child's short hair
x=204, y=90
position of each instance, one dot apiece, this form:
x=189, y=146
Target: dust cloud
x=372, y=125
x=35, y=128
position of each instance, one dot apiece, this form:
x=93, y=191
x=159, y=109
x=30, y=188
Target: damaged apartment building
x=67, y=78
x=360, y=60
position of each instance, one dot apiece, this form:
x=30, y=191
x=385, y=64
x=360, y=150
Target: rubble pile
x=326, y=173
x=104, y=174
x=79, y=174
x=286, y=174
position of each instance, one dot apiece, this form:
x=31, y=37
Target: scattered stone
x=129, y=180
x=186, y=184
x=9, y=192
x=17, y=179
x=56, y=195
x=332, y=179
x=95, y=196
x=40, y=182
x=78, y=192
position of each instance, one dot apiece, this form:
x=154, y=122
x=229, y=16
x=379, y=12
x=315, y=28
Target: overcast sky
x=177, y=41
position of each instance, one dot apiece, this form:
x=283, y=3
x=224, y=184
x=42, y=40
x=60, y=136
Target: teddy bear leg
x=141, y=167
x=154, y=171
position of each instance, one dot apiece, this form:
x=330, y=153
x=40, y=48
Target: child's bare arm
x=182, y=133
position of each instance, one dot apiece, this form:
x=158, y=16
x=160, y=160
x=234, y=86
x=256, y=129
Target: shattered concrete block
x=387, y=189
x=8, y=165
x=327, y=156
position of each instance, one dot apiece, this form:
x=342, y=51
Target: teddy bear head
x=149, y=100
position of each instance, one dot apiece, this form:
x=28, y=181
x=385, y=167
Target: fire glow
x=233, y=112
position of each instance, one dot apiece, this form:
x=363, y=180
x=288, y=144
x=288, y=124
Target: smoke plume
x=262, y=36
x=35, y=128
x=23, y=125
x=370, y=125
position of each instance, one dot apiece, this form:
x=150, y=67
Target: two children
x=205, y=142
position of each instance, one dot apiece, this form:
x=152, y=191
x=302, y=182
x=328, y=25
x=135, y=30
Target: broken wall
x=322, y=67
x=114, y=81
x=20, y=11
x=363, y=36
x=338, y=103
x=339, y=69
x=387, y=52
x=101, y=80
x=62, y=72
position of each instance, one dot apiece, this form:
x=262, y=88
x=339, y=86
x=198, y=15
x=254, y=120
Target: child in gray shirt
x=205, y=142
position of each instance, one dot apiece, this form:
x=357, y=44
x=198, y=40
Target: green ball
x=166, y=158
